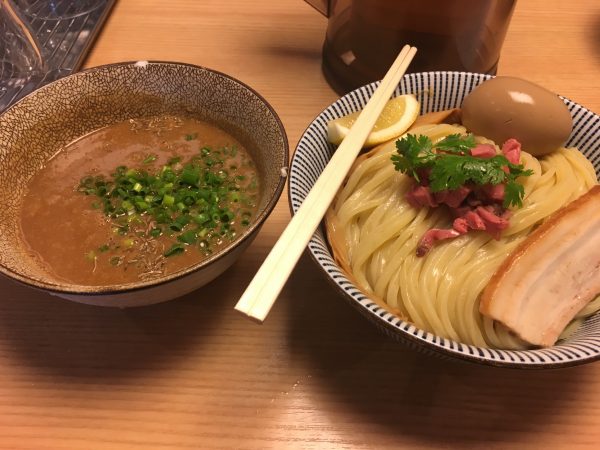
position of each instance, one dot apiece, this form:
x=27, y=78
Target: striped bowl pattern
x=436, y=91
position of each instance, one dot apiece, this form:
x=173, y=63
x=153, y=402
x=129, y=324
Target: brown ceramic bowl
x=36, y=127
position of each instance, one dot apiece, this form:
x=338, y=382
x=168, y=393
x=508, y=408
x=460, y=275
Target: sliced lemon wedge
x=397, y=116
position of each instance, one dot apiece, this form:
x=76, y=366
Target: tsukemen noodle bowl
x=429, y=299
x=135, y=183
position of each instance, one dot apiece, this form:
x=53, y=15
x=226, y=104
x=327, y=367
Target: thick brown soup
x=137, y=200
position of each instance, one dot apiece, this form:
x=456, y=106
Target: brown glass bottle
x=364, y=36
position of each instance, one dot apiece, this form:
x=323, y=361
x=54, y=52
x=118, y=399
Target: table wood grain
x=191, y=373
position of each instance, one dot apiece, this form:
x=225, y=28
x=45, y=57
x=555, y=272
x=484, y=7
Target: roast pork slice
x=551, y=275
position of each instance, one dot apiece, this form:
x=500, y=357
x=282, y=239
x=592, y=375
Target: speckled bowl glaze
x=36, y=127
x=436, y=91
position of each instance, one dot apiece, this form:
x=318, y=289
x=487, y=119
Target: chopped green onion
x=127, y=205
x=188, y=237
x=150, y=158
x=190, y=175
x=127, y=243
x=185, y=202
x=201, y=218
x=174, y=250
x=168, y=200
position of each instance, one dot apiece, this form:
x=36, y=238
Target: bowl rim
x=90, y=291
x=416, y=339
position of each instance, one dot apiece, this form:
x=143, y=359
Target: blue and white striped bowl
x=435, y=91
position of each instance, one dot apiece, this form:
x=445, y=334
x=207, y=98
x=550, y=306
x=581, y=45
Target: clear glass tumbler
x=58, y=9
x=21, y=57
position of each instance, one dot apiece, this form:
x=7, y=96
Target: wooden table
x=191, y=373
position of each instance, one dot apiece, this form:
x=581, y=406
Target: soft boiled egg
x=509, y=107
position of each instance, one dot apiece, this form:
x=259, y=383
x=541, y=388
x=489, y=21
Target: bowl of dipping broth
x=135, y=183
x=476, y=234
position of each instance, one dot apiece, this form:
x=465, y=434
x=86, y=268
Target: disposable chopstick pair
x=261, y=293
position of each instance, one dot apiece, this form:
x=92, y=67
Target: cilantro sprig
x=450, y=165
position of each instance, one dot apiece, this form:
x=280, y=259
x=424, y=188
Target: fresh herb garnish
x=449, y=165
x=414, y=152
x=456, y=143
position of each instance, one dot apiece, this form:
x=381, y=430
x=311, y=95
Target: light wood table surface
x=191, y=373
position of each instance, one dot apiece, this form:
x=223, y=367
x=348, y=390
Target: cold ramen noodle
x=424, y=239
x=139, y=199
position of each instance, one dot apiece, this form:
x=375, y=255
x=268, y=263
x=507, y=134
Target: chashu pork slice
x=551, y=275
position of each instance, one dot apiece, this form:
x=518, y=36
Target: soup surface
x=138, y=200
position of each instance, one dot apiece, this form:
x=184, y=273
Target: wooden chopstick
x=261, y=293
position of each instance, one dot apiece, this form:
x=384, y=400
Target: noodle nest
x=374, y=232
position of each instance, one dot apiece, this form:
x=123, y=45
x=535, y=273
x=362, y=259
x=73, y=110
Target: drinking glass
x=57, y=9
x=21, y=55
